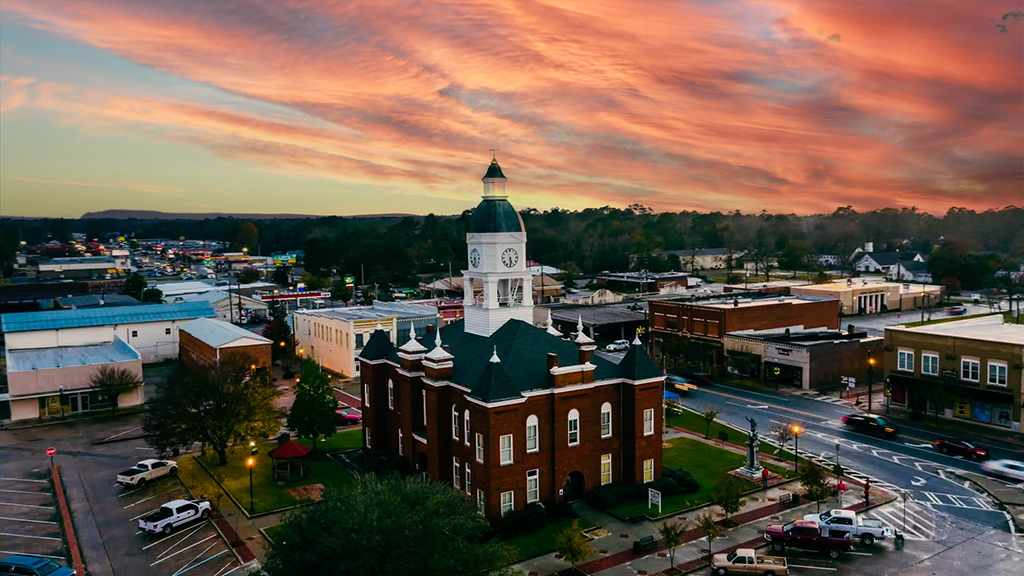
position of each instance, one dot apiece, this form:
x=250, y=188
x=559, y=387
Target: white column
x=490, y=293
x=528, y=290
x=467, y=292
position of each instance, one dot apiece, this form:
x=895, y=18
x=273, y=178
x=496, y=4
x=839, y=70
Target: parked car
x=174, y=514
x=33, y=566
x=870, y=424
x=344, y=417
x=617, y=346
x=747, y=561
x=808, y=536
x=147, y=471
x=961, y=448
x=1005, y=468
x=868, y=530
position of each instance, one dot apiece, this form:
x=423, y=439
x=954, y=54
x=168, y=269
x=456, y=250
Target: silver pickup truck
x=868, y=530
x=174, y=514
x=146, y=471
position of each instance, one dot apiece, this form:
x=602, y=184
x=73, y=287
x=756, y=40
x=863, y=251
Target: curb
x=65, y=520
x=238, y=504
x=121, y=439
x=125, y=412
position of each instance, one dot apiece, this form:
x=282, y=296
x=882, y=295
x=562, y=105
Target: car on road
x=747, y=561
x=174, y=514
x=696, y=377
x=963, y=448
x=344, y=417
x=147, y=471
x=678, y=384
x=956, y=311
x=805, y=535
x=866, y=529
x=870, y=424
x=1005, y=468
x=33, y=566
x=617, y=346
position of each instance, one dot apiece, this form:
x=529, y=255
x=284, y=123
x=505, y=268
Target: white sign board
x=654, y=497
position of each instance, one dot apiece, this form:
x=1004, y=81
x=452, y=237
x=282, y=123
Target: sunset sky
x=317, y=107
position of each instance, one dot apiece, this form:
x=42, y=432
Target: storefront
x=985, y=406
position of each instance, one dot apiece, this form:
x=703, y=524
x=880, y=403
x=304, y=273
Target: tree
x=153, y=295
x=728, y=496
x=282, y=275
x=671, y=532
x=709, y=414
x=392, y=525
x=248, y=275
x=134, y=286
x=341, y=291
x=707, y=524
x=218, y=406
x=572, y=544
x=313, y=411
x=815, y=483
x=782, y=434
x=248, y=236
x=795, y=256
x=112, y=381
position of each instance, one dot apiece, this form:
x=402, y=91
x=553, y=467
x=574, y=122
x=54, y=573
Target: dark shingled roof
x=495, y=383
x=495, y=215
x=493, y=171
x=379, y=347
x=637, y=365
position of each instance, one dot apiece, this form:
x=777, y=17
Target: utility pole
x=871, y=373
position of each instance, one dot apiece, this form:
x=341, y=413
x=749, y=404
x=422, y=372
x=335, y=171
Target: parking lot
x=29, y=521
x=195, y=548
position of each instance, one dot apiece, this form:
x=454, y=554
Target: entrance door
x=575, y=484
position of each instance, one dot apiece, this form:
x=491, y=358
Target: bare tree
x=782, y=435
x=112, y=381
x=709, y=414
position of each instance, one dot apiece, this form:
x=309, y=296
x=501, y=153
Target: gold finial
x=494, y=159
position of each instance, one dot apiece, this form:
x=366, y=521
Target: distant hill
x=156, y=215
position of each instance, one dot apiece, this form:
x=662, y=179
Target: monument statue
x=752, y=469
x=753, y=429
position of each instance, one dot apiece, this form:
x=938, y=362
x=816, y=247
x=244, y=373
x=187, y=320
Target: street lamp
x=250, y=463
x=871, y=374
x=62, y=402
x=796, y=429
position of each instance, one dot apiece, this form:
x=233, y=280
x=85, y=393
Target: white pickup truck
x=173, y=514
x=147, y=470
x=747, y=561
x=868, y=530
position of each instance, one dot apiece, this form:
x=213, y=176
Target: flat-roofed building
x=969, y=369
x=864, y=296
x=208, y=342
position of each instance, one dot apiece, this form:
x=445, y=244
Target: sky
x=389, y=106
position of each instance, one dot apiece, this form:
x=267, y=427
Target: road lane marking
x=795, y=411
x=28, y=536
x=25, y=480
x=122, y=433
x=26, y=505
x=182, y=550
x=858, y=553
x=24, y=492
x=33, y=555
x=26, y=520
x=812, y=567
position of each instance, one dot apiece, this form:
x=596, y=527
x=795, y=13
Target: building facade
x=506, y=411
x=206, y=342
x=862, y=296
x=970, y=369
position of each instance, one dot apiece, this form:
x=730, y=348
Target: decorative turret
x=437, y=364
x=584, y=343
x=550, y=327
x=412, y=346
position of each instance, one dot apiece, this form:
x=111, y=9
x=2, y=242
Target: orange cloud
x=794, y=106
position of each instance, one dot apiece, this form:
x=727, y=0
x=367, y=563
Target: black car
x=961, y=448
x=870, y=424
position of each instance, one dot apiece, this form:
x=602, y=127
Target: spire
x=550, y=326
x=636, y=340
x=379, y=327
x=412, y=346
x=582, y=338
x=494, y=356
x=438, y=354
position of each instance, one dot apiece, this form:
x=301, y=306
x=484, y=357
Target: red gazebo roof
x=289, y=450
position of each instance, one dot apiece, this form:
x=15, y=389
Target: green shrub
x=518, y=522
x=685, y=482
x=558, y=508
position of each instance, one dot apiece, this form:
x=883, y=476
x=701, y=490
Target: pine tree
x=313, y=412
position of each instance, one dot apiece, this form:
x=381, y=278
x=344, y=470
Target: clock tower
x=497, y=261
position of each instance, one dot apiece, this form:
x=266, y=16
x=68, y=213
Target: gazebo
x=289, y=461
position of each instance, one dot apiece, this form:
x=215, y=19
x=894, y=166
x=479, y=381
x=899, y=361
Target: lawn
x=268, y=495
x=542, y=541
x=709, y=464
x=695, y=423
x=274, y=532
x=347, y=439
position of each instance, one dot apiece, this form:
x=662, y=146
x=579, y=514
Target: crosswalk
x=922, y=522
x=956, y=501
x=813, y=395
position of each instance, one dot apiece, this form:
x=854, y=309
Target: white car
x=1005, y=468
x=146, y=471
x=174, y=514
x=617, y=345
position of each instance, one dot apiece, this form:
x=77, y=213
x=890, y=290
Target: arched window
x=606, y=420
x=574, y=427
x=532, y=427
x=391, y=394
x=465, y=426
x=455, y=423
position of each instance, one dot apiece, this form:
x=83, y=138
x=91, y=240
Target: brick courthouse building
x=506, y=411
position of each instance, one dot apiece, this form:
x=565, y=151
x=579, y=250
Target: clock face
x=509, y=257
x=474, y=258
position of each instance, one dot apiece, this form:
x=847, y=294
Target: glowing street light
x=797, y=430
x=250, y=462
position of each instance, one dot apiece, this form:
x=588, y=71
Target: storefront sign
x=962, y=409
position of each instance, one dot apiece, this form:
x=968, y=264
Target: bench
x=644, y=544
x=790, y=498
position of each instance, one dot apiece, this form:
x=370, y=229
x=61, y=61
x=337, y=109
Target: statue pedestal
x=753, y=468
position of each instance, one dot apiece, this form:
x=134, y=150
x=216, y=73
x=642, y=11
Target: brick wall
x=196, y=354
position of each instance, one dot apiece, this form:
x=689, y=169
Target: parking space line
x=182, y=550
x=26, y=520
x=235, y=569
x=33, y=555
x=194, y=558
x=203, y=562
x=858, y=553
x=169, y=537
x=813, y=567
x=24, y=492
x=143, y=514
x=25, y=505
x=225, y=568
x=28, y=536
x=25, y=480
x=140, y=501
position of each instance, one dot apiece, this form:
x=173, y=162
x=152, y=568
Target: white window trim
x=481, y=502
x=649, y=412
x=391, y=395
x=401, y=445
x=456, y=468
x=368, y=438
x=465, y=427
x=934, y=355
x=455, y=423
x=651, y=461
x=366, y=394
x=606, y=408
x=511, y=449
x=469, y=481
x=512, y=502
x=533, y=421
x=905, y=353
x=974, y=361
x=1006, y=373
x=606, y=458
x=535, y=476
x=479, y=447
x=569, y=423
x=424, y=408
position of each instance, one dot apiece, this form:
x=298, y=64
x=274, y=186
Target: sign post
x=51, y=452
x=654, y=497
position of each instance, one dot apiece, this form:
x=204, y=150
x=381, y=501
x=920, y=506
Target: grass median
x=543, y=541
x=348, y=439
x=709, y=464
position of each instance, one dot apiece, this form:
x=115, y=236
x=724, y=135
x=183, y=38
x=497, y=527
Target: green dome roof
x=495, y=215
x=493, y=171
